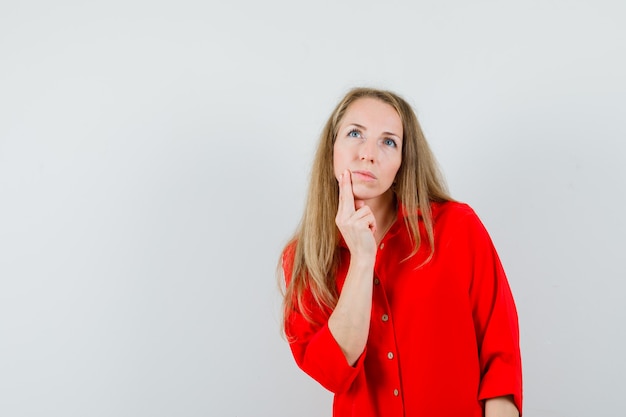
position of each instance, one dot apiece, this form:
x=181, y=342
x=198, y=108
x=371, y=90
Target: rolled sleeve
x=322, y=358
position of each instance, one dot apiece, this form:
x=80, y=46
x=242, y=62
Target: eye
x=354, y=133
x=390, y=142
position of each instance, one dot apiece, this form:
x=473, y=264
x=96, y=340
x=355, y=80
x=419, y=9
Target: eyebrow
x=384, y=133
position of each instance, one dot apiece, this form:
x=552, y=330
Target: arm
x=349, y=322
x=501, y=407
x=331, y=351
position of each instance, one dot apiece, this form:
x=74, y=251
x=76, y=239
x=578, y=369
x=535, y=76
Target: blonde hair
x=313, y=251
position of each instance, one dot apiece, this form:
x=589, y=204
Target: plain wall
x=154, y=158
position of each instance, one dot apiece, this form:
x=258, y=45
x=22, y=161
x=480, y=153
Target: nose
x=367, y=152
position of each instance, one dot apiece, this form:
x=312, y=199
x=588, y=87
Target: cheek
x=339, y=163
x=396, y=169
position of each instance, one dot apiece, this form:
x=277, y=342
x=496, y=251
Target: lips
x=364, y=175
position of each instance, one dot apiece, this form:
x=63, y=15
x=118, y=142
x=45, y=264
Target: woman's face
x=369, y=145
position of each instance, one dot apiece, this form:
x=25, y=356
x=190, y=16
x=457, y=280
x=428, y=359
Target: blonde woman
x=395, y=299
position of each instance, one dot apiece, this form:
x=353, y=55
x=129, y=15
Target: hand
x=355, y=220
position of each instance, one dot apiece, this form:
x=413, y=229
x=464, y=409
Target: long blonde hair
x=313, y=251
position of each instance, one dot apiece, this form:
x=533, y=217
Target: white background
x=154, y=157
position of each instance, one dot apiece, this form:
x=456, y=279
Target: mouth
x=364, y=175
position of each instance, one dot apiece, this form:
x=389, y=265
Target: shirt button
x=385, y=317
x=396, y=392
x=390, y=355
x=382, y=245
x=376, y=281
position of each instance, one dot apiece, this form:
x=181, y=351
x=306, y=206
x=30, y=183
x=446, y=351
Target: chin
x=365, y=195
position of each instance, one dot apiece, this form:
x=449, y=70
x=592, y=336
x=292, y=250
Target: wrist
x=364, y=263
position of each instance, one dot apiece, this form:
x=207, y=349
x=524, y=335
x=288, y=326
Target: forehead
x=373, y=113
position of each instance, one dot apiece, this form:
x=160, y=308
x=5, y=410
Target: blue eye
x=390, y=142
x=354, y=133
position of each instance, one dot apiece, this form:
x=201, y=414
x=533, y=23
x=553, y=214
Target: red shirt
x=443, y=337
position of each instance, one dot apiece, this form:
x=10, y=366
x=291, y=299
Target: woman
x=395, y=298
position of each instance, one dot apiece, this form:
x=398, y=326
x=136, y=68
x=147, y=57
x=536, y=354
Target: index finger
x=346, y=196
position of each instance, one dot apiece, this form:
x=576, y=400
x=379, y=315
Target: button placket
x=386, y=348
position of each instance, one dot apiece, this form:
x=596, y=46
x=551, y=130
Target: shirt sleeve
x=495, y=320
x=312, y=344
